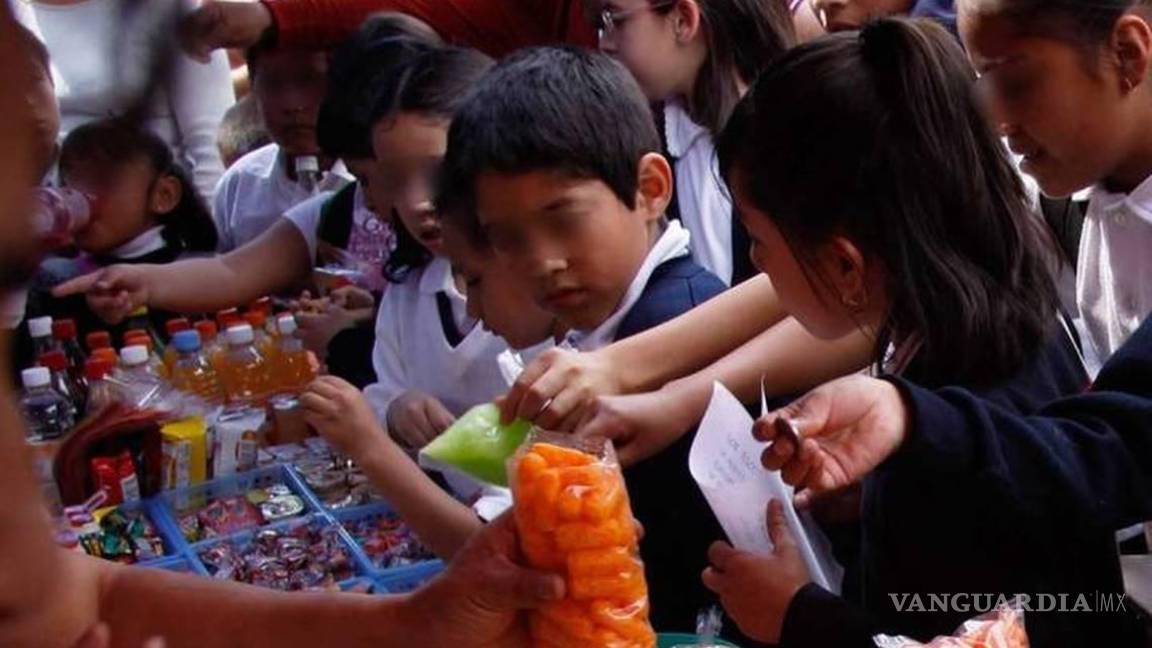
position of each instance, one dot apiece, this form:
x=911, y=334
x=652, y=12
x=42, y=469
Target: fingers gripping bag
x=574, y=519
x=1000, y=628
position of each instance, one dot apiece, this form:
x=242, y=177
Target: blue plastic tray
x=347, y=516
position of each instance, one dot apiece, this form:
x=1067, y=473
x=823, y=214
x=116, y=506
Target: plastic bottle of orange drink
x=293, y=368
x=245, y=373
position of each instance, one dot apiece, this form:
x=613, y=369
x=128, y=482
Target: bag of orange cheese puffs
x=574, y=519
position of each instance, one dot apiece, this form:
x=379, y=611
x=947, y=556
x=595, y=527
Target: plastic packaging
x=49, y=414
x=184, y=445
x=60, y=212
x=574, y=518
x=211, y=344
x=245, y=374
x=478, y=444
x=142, y=386
x=292, y=367
x=191, y=372
x=65, y=333
x=1000, y=628
x=102, y=391
x=63, y=382
x=238, y=436
x=40, y=330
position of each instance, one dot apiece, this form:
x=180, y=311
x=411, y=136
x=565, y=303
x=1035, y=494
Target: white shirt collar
x=146, y=243
x=673, y=243
x=680, y=131
x=437, y=276
x=1138, y=202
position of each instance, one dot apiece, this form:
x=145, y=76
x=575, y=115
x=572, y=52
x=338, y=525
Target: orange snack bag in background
x=573, y=517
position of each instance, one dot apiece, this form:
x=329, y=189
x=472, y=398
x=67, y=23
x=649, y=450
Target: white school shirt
x=371, y=242
x=673, y=242
x=411, y=351
x=256, y=191
x=705, y=208
x=98, y=67
x=1113, y=291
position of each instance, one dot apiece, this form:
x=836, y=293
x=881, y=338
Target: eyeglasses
x=608, y=20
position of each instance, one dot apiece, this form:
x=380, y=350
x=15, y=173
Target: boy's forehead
x=537, y=193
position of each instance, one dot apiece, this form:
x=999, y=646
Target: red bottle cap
x=256, y=318
x=263, y=305
x=226, y=318
x=207, y=330
x=64, y=329
x=106, y=353
x=139, y=340
x=97, y=368
x=174, y=326
x=133, y=333
x=98, y=340
x=54, y=360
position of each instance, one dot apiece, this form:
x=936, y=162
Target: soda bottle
x=101, y=391
x=57, y=364
x=40, y=330
x=98, y=340
x=58, y=213
x=192, y=373
x=49, y=414
x=172, y=327
x=293, y=369
x=140, y=320
x=65, y=333
x=246, y=372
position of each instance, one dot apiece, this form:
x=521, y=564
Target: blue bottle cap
x=186, y=341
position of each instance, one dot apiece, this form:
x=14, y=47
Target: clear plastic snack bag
x=1000, y=628
x=477, y=444
x=574, y=519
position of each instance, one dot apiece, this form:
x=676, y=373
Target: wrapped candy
x=388, y=541
x=574, y=519
x=306, y=557
x=226, y=515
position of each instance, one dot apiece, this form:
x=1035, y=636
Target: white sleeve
x=222, y=212
x=200, y=95
x=306, y=218
x=391, y=375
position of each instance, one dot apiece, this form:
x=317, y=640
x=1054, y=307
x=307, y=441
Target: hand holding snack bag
x=1000, y=628
x=573, y=518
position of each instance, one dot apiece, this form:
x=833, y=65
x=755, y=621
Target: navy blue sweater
x=1009, y=504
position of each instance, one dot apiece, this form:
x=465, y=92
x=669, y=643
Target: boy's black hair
x=883, y=141
x=548, y=109
x=115, y=141
x=1086, y=23
x=435, y=83
x=356, y=72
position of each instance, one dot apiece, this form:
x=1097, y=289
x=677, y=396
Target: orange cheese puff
x=543, y=493
x=545, y=630
x=571, y=617
x=569, y=505
x=557, y=456
x=591, y=476
x=625, y=586
x=540, y=550
x=629, y=622
x=600, y=562
x=581, y=535
x=530, y=466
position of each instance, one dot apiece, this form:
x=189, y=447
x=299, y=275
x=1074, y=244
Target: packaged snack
x=574, y=519
x=185, y=450
x=307, y=557
x=1000, y=628
x=225, y=515
x=478, y=444
x=388, y=541
x=238, y=436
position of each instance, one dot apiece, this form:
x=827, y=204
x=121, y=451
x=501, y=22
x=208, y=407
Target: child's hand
x=416, y=418
x=352, y=298
x=317, y=329
x=342, y=415
x=757, y=590
x=113, y=293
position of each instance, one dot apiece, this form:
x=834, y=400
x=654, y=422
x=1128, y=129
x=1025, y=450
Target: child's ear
x=654, y=185
x=686, y=16
x=1132, y=49
x=844, y=268
x=166, y=194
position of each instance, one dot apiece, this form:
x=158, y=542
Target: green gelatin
x=478, y=444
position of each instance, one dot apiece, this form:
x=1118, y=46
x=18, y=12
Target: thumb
x=78, y=285
x=778, y=531
x=513, y=586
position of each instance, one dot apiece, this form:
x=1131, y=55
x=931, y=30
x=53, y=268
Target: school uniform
x=966, y=523
x=426, y=342
x=1113, y=294
x=256, y=191
x=679, y=525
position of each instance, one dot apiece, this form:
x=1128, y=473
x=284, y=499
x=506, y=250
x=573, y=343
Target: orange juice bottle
x=172, y=327
x=293, y=366
x=191, y=372
x=264, y=340
x=246, y=374
x=212, y=344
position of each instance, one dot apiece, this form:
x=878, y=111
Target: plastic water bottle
x=57, y=363
x=59, y=212
x=246, y=376
x=308, y=173
x=140, y=320
x=65, y=333
x=102, y=391
x=192, y=373
x=293, y=369
x=49, y=415
x=40, y=330
x=141, y=383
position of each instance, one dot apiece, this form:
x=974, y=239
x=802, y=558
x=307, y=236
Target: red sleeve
x=495, y=27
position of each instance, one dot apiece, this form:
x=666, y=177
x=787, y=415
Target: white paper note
x=725, y=462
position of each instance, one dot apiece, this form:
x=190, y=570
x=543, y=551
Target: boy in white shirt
x=288, y=86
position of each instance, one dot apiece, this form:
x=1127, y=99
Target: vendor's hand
x=113, y=293
x=556, y=389
x=639, y=425
x=223, y=24
x=477, y=601
x=757, y=590
x=316, y=330
x=416, y=418
x=352, y=298
x=342, y=415
x=847, y=427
